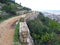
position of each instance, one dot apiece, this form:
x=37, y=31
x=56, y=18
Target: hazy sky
x=41, y=4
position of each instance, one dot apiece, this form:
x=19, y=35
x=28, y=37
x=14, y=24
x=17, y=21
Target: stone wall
x=25, y=37
x=24, y=33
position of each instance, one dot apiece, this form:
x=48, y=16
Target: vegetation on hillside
x=9, y=9
x=12, y=8
x=5, y=1
x=44, y=31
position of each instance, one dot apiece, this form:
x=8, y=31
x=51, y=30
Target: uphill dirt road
x=7, y=29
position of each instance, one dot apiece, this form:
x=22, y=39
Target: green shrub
x=10, y=8
x=16, y=34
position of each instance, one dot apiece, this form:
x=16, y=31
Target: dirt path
x=7, y=31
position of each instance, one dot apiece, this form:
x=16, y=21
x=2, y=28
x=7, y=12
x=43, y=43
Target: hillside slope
x=10, y=9
x=44, y=31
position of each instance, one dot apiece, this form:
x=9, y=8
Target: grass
x=16, y=35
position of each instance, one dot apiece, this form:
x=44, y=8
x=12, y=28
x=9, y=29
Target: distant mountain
x=51, y=11
x=55, y=12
